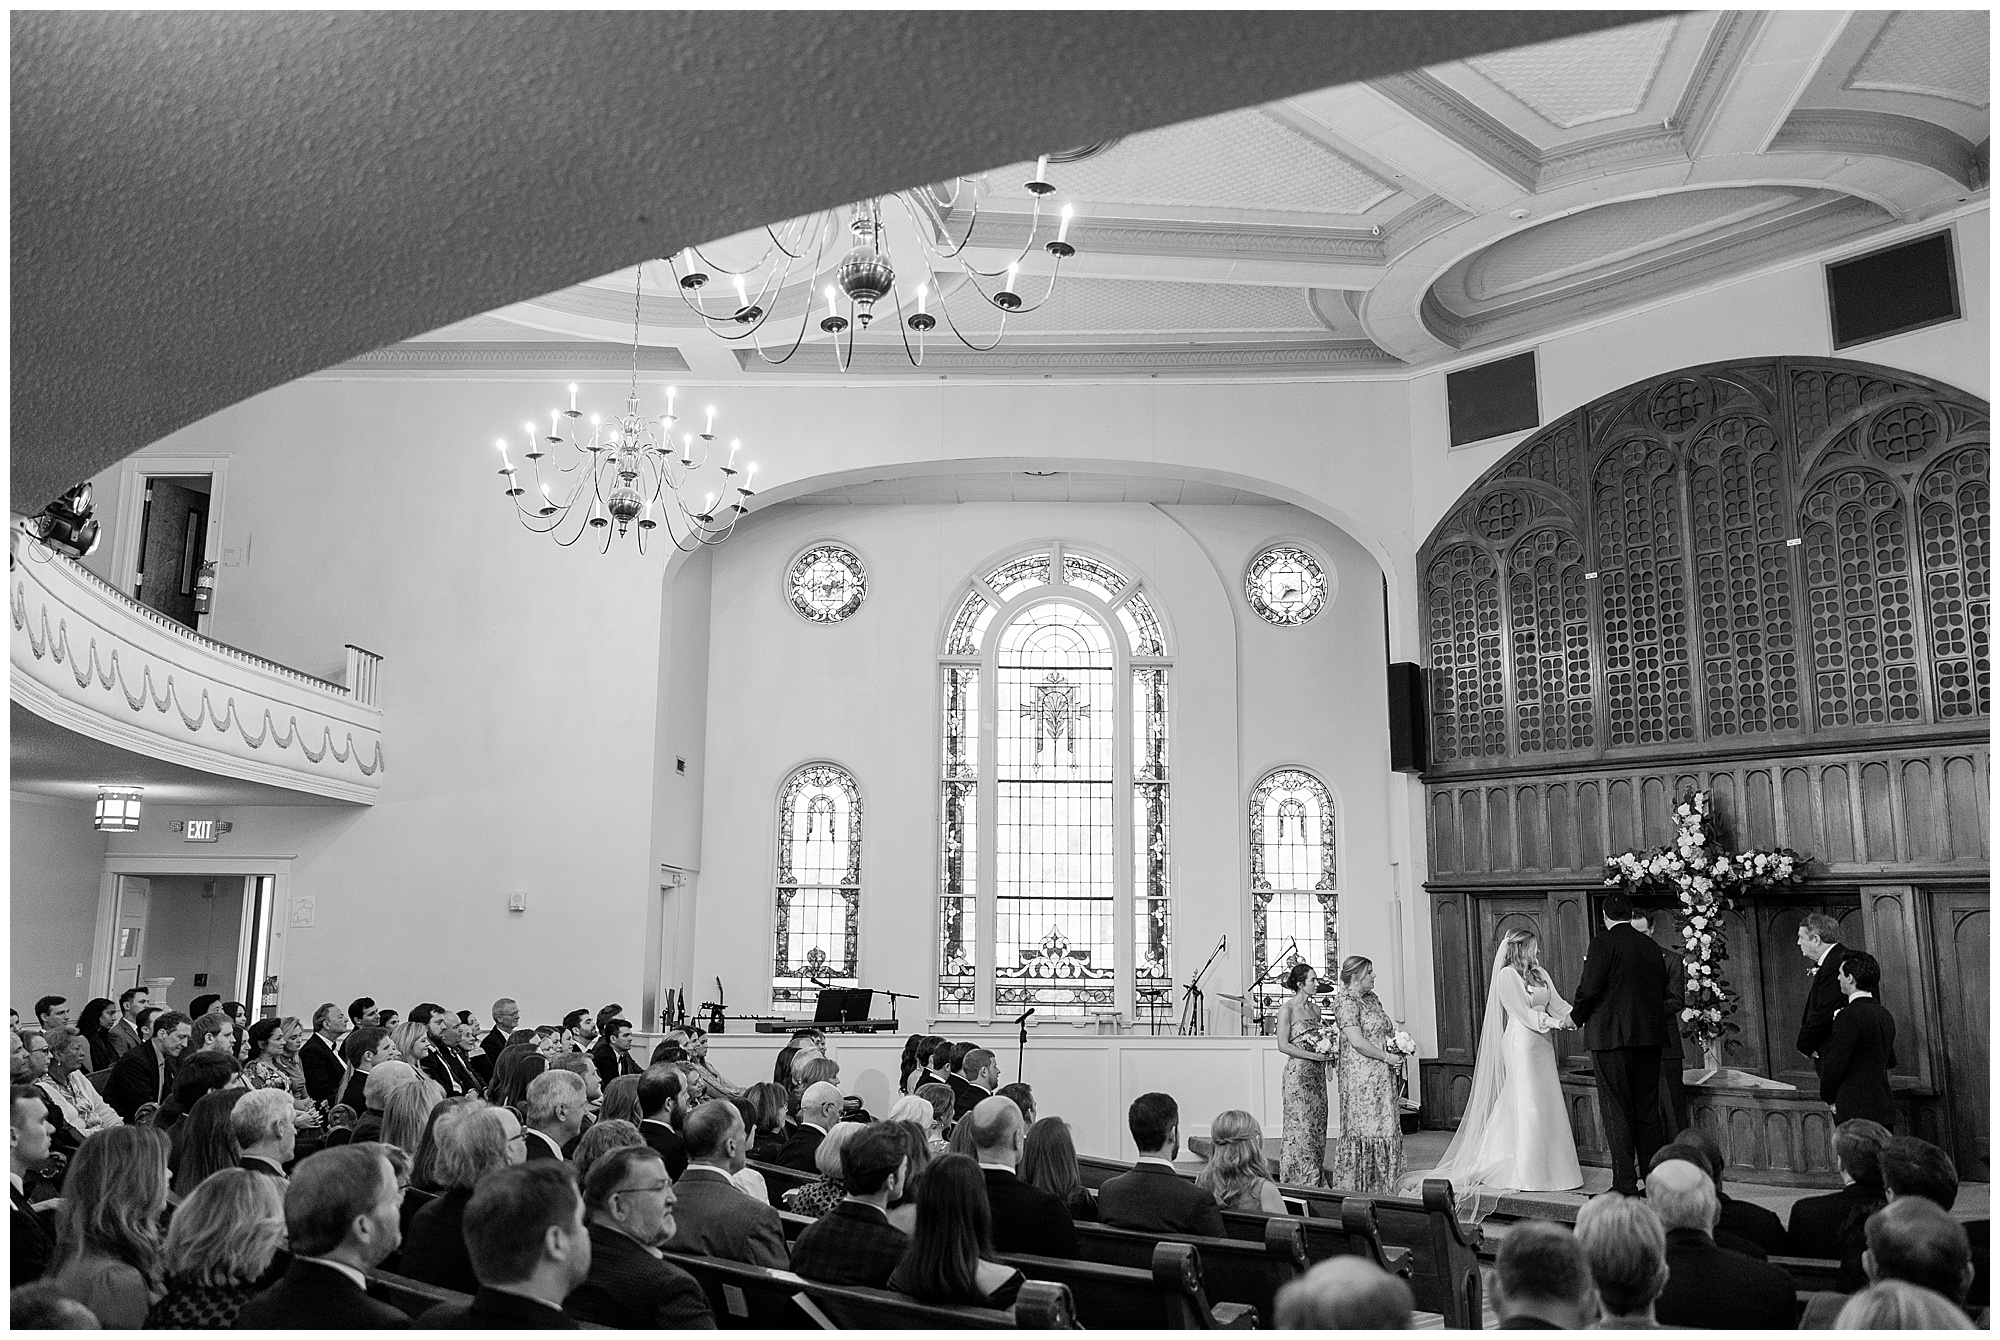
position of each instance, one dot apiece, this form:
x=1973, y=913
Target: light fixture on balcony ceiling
x=627, y=475
x=117, y=809
x=845, y=290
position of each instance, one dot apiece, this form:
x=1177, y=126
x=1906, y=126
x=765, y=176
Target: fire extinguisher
x=204, y=587
x=267, y=1000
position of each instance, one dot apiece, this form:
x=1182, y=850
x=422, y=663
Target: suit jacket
x=315, y=1297
x=268, y=1169
x=34, y=1241
x=493, y=1310
x=667, y=1142
x=122, y=1036
x=1754, y=1223
x=434, y=1247
x=1028, y=1219
x=1855, y=1063
x=801, y=1148
x=611, y=1063
x=436, y=1067
x=541, y=1146
x=1709, y=1286
x=630, y=1288
x=1817, y=1220
x=1153, y=1198
x=323, y=1068
x=141, y=1076
x=965, y=1095
x=355, y=1095
x=1823, y=1001
x=1619, y=1001
x=852, y=1244
x=492, y=1043
x=715, y=1219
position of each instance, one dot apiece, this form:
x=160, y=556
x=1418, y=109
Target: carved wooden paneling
x=1458, y=1028
x=1766, y=552
x=1890, y=926
x=1961, y=933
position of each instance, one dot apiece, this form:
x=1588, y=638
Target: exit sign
x=201, y=830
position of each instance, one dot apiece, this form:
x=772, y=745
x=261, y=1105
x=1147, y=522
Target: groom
x=1618, y=1007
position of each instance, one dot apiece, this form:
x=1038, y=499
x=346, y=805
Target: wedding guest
x=270, y=1065
x=555, y=1113
x=506, y=1018
x=661, y=1102
x=472, y=1141
x=33, y=1233
x=1023, y=1096
x=1707, y=1285
x=202, y=1006
x=123, y=1034
x=1024, y=1218
x=70, y=1089
x=909, y=1064
x=1626, y=1249
x=40, y=1306
x=1913, y=1167
x=377, y=1085
x=325, y=1072
x=1048, y=1161
x=855, y=1243
x=601, y=1139
x=1236, y=1173
x=340, y=1221
x=817, y=1197
x=631, y=1203
x=513, y=1070
x=621, y=1101
x=530, y=1249
x=917, y=1146
x=819, y=1112
x=704, y=1083
x=1706, y=1159
x=91, y=1023
x=1912, y=1241
x=1855, y=1062
x=613, y=1053
x=1819, y=942
x=364, y=1049
x=265, y=1134
x=950, y=1256
x=980, y=1079
x=715, y=1218
x=1153, y=1197
x=961, y=1138
x=218, y=1249
x=204, y=1144
x=944, y=1114
x=406, y=1112
x=1345, y=1293
x=1301, y=1038
x=1895, y=1306
x=747, y=1179
x=197, y=1075
x=1368, y=1155
x=1541, y=1279
x=146, y=1074
x=1742, y=1218
x=107, y=1253
x=1833, y=1225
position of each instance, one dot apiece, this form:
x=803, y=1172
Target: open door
x=173, y=540
x=128, y=933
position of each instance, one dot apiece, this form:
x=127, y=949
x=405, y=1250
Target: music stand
x=843, y=1005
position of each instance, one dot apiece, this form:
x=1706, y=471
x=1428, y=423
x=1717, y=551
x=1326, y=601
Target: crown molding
x=1882, y=134
x=1484, y=136
x=424, y=356
x=1132, y=359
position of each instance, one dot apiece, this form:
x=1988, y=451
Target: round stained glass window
x=1286, y=585
x=826, y=583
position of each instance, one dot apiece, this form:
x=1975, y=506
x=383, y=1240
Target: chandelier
x=844, y=289
x=627, y=474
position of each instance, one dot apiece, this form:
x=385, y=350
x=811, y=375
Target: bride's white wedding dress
x=1515, y=1133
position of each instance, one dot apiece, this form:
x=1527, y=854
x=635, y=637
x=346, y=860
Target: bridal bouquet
x=1402, y=1044
x=1324, y=1039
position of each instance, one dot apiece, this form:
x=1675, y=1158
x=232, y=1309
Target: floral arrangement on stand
x=1706, y=880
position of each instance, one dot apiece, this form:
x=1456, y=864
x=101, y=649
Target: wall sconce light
x=118, y=809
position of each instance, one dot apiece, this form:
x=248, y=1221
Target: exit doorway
x=166, y=533
x=184, y=928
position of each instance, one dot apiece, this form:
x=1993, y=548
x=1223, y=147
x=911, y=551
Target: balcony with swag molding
x=93, y=661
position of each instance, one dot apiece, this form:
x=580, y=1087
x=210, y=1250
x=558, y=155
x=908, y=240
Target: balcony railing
x=93, y=660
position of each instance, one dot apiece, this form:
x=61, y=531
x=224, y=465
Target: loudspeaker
x=1888, y=292
x=1493, y=399
x=1409, y=745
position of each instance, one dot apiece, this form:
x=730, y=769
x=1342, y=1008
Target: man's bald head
x=820, y=1104
x=1683, y=1195
x=996, y=1126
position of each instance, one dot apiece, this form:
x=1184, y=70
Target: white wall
x=191, y=930
x=55, y=857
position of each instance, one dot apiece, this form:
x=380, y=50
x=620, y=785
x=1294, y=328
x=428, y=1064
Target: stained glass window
x=1042, y=867
x=826, y=583
x=1285, y=585
x=819, y=886
x=1292, y=880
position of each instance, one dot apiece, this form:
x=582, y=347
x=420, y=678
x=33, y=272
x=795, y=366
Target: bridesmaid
x=1304, y=1160
x=1368, y=1156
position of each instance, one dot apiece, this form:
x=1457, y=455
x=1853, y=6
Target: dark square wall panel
x=1888, y=292
x=1493, y=399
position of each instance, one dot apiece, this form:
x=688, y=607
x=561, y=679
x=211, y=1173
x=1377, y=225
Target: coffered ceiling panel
x=1941, y=53
x=1139, y=307
x=1590, y=78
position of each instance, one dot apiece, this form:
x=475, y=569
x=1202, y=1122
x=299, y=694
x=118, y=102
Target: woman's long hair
x=113, y=1197
x=943, y=1104
x=423, y=1168
x=961, y=1138
x=406, y=1115
x=601, y=1139
x=1515, y=947
x=1353, y=966
x=407, y=1035
x=621, y=1100
x=917, y=1143
x=954, y=1233
x=1236, y=1160
x=203, y=1145
x=909, y=1062
x=91, y=1022
x=769, y=1100
x=1048, y=1159
x=517, y=1063
x=227, y=1230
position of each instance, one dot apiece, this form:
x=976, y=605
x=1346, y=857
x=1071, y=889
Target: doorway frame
x=128, y=540
x=279, y=868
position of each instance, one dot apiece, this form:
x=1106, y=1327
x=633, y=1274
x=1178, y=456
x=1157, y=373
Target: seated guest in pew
x=341, y=1220
x=1626, y=1248
x=1153, y=1197
x=713, y=1217
x=662, y=1107
x=1236, y=1173
x=855, y=1243
x=556, y=1109
x=961, y=1138
x=621, y=1100
x=1834, y=1226
x=916, y=1143
x=525, y=1232
x=601, y=1139
x=267, y=1138
x=1024, y=1098
x=1704, y=1159
x=817, y=1197
x=1912, y=1241
x=219, y=1248
x=1345, y=1293
x=980, y=1078
x=364, y=1049
x=747, y=1179
x=1742, y=1218
x=1895, y=1306
x=107, y=1249
x=1913, y=1167
x=40, y=1306
x=1048, y=1161
x=33, y=1230
x=767, y=1137
x=819, y=1112
x=944, y=1115
x=1541, y=1279
x=1024, y=1217
x=950, y=1257
x=382, y=1081
x=631, y=1210
x=1707, y=1285
x=472, y=1141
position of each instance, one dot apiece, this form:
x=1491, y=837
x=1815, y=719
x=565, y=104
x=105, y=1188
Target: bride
x=1515, y=1134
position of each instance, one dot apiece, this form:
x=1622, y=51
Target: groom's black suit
x=1618, y=1006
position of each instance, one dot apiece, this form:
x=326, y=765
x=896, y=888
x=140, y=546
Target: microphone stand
x=1021, y=1055
x=1264, y=977
x=894, y=996
x=1191, y=996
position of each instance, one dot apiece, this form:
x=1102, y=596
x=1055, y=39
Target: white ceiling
x=1384, y=225
x=1017, y=486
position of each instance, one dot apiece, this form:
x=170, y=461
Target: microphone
x=1024, y=1018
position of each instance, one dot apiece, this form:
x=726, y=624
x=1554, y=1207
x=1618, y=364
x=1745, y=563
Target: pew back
x=1232, y=1271
x=1167, y=1297
x=747, y=1297
x=778, y=1180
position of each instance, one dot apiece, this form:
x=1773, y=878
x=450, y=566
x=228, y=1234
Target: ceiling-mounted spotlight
x=118, y=809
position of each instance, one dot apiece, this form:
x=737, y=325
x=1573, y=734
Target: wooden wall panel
x=1891, y=929
x=1923, y=826
x=1961, y=930
x=1450, y=968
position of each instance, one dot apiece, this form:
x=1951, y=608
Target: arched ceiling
x=207, y=205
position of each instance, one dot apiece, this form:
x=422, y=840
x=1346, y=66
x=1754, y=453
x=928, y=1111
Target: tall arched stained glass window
x=1292, y=879
x=819, y=886
x=1054, y=844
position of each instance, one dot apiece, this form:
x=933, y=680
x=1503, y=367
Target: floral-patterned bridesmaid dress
x=1368, y=1155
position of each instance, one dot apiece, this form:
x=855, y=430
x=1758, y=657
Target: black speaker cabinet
x=1888, y=292
x=1408, y=745
x=1493, y=399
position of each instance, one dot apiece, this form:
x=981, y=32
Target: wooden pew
x=747, y=1297
x=794, y=1224
x=413, y=1298
x=1232, y=1270
x=1168, y=1297
x=777, y=1181
x=1444, y=1261
x=1323, y=1238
